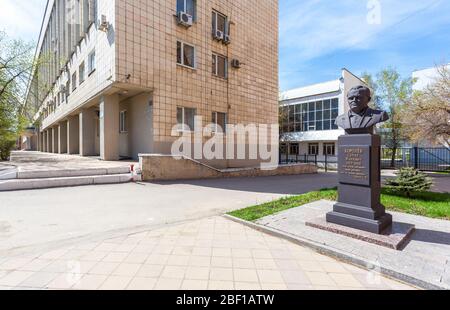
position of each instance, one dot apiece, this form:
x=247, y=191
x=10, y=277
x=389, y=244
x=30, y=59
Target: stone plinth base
x=395, y=237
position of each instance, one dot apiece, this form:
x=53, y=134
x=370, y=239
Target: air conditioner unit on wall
x=236, y=63
x=104, y=24
x=226, y=39
x=218, y=35
x=184, y=19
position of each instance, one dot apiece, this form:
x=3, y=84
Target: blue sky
x=319, y=37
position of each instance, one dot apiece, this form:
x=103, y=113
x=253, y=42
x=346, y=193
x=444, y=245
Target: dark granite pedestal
x=359, y=176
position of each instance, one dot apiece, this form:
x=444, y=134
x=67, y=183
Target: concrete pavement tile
x=64, y=281
x=90, y=282
x=36, y=265
x=270, y=276
x=168, y=284
x=310, y=266
x=202, y=251
x=103, y=268
x=116, y=283
x=95, y=256
x=150, y=271
x=247, y=286
x=194, y=285
x=273, y=286
x=39, y=279
x=320, y=278
x=221, y=274
x=241, y=253
x=115, y=257
x=157, y=259
x=335, y=267
x=225, y=262
x=197, y=273
x=244, y=263
x=173, y=272
x=221, y=252
x=259, y=253
x=14, y=263
x=136, y=258
x=245, y=275
x=264, y=263
x=295, y=277
x=286, y=264
x=345, y=280
x=178, y=260
x=142, y=284
x=220, y=285
x=14, y=278
x=126, y=269
x=200, y=261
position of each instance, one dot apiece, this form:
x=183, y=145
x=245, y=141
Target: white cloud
x=316, y=28
x=22, y=19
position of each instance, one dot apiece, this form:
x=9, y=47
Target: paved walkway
x=425, y=258
x=212, y=253
x=37, y=161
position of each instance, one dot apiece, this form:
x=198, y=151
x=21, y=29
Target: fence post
x=315, y=159
x=326, y=162
x=416, y=157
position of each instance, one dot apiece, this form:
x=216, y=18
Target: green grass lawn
x=434, y=205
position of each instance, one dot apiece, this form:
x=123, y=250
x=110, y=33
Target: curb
x=339, y=255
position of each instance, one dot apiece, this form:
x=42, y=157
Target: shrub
x=409, y=181
x=5, y=148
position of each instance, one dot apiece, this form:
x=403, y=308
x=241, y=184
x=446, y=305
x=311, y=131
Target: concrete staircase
x=39, y=179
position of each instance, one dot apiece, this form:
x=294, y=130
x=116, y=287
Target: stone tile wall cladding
x=146, y=40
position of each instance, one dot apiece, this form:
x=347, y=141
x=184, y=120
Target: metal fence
x=325, y=162
x=425, y=159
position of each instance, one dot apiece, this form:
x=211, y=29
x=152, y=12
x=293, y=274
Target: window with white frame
x=91, y=62
x=123, y=125
x=313, y=149
x=329, y=149
x=219, y=66
x=185, y=54
x=219, y=120
x=81, y=73
x=188, y=7
x=186, y=118
x=220, y=23
x=74, y=81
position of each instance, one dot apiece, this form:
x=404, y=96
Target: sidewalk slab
x=423, y=262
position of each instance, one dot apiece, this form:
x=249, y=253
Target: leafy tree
x=371, y=83
x=391, y=92
x=427, y=116
x=409, y=181
x=16, y=68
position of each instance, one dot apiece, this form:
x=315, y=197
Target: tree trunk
x=394, y=156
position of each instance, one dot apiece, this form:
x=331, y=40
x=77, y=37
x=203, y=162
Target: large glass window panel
x=305, y=117
x=319, y=105
x=319, y=125
x=298, y=127
x=326, y=125
x=312, y=126
x=334, y=114
x=335, y=103
x=189, y=55
x=326, y=114
x=311, y=106
x=327, y=104
x=298, y=118
x=305, y=126
x=312, y=116
x=319, y=115
x=189, y=118
x=304, y=107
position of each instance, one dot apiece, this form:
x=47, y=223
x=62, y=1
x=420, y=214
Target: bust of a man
x=360, y=118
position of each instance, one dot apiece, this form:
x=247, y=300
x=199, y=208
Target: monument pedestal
x=359, y=176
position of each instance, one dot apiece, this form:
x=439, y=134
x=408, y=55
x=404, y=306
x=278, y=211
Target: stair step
x=24, y=184
x=64, y=173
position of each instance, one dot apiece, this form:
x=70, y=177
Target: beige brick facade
x=138, y=56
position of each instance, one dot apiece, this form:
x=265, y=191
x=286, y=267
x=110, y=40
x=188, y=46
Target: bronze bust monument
x=360, y=118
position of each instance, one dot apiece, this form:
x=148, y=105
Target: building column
x=73, y=135
x=54, y=140
x=109, y=128
x=49, y=140
x=43, y=141
x=62, y=137
x=87, y=132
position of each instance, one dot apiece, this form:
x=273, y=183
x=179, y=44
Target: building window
x=310, y=116
x=313, y=149
x=67, y=94
x=220, y=66
x=219, y=23
x=329, y=149
x=185, y=54
x=186, y=118
x=81, y=72
x=219, y=121
x=74, y=81
x=294, y=149
x=91, y=62
x=188, y=7
x=123, y=125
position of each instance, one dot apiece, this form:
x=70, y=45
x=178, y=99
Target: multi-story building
x=308, y=117
x=118, y=75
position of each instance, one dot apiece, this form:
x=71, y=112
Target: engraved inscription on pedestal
x=354, y=165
